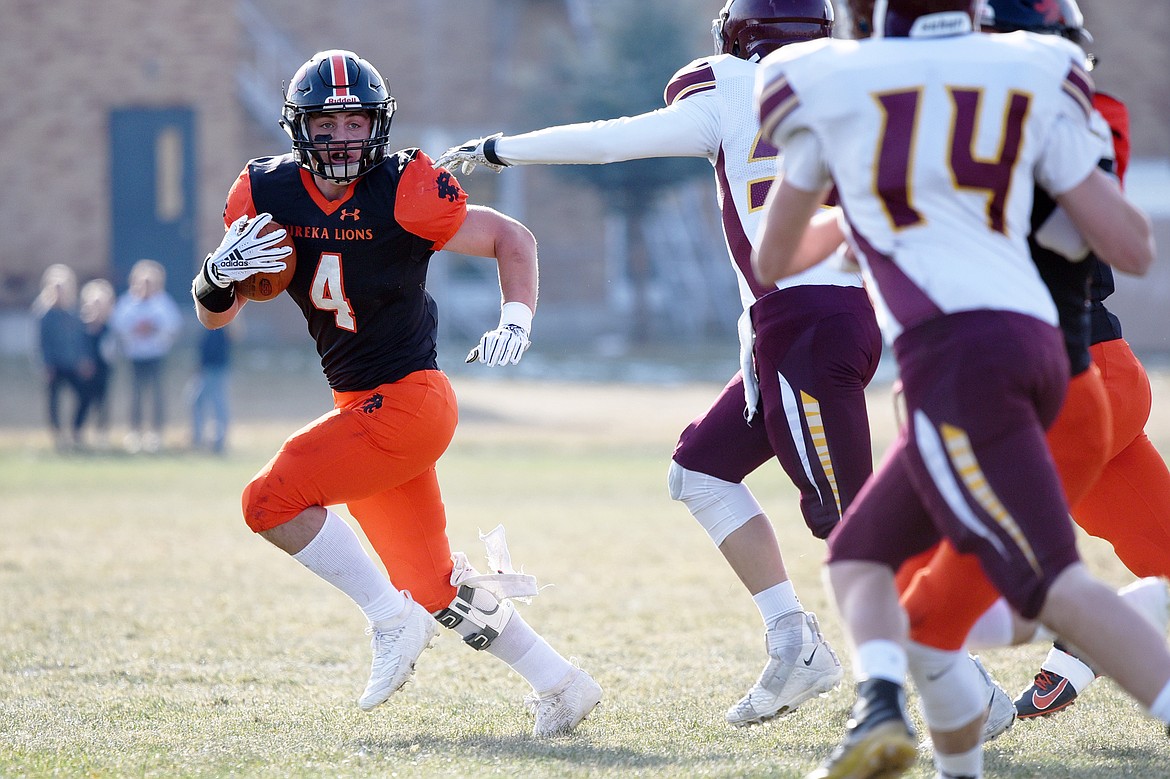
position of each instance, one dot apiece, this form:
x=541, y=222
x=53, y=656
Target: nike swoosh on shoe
x=1043, y=701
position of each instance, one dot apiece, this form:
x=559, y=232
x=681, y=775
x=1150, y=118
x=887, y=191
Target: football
x=266, y=286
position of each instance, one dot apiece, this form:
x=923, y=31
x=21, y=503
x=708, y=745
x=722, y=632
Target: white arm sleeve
x=804, y=165
x=1070, y=156
x=688, y=128
x=1058, y=233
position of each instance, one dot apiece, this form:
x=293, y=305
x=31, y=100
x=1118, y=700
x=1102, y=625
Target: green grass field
x=146, y=632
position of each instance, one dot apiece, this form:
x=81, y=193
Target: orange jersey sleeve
x=1117, y=115
x=429, y=203
x=239, y=200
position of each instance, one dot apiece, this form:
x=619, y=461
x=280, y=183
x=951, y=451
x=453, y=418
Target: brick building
x=127, y=121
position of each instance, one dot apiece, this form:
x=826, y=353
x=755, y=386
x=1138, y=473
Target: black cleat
x=880, y=742
x=1049, y=693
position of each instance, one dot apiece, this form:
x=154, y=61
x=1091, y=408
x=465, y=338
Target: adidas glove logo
x=233, y=260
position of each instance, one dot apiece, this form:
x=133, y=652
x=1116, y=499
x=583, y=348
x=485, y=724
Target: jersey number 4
x=328, y=291
x=993, y=176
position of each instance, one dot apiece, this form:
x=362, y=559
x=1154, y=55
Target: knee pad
x=951, y=689
x=476, y=615
x=721, y=507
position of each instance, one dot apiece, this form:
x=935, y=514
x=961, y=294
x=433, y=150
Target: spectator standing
x=146, y=320
x=209, y=398
x=97, y=306
x=61, y=350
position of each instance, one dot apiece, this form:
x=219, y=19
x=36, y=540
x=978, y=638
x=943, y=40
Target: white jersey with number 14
x=934, y=146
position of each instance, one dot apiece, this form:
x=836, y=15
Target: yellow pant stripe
x=963, y=460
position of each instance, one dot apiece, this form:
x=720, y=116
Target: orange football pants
x=1129, y=505
x=945, y=592
x=376, y=453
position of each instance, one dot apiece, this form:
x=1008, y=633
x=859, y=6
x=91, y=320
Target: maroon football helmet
x=752, y=29
x=895, y=18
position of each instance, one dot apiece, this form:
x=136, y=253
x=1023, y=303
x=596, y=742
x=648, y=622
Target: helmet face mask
x=342, y=82
x=752, y=29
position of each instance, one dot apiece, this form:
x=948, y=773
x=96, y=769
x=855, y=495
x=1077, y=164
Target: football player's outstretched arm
x=488, y=233
x=476, y=152
x=684, y=129
x=1117, y=231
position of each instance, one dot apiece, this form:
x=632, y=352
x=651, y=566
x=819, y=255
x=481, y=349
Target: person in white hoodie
x=147, y=321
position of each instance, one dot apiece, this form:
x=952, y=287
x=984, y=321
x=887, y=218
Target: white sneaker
x=802, y=665
x=1001, y=711
x=1150, y=597
x=396, y=649
x=559, y=711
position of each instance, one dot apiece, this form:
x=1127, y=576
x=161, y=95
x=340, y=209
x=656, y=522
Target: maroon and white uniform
x=816, y=343
x=935, y=168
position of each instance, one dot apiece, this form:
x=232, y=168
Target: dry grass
x=145, y=632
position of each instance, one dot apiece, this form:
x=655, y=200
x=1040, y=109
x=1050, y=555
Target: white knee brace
x=482, y=606
x=476, y=615
x=721, y=507
x=951, y=690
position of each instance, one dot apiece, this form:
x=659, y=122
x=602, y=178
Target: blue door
x=152, y=181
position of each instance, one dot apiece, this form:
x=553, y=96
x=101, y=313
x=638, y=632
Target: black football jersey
x=361, y=270
x=1068, y=282
x=1105, y=326
x=1079, y=289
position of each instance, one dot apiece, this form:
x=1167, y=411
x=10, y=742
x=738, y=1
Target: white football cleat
x=559, y=711
x=801, y=665
x=1001, y=711
x=396, y=649
x=1150, y=597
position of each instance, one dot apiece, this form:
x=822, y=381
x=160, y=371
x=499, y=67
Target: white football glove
x=463, y=159
x=244, y=252
x=508, y=341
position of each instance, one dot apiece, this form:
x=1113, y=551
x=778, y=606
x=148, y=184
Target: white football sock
x=1078, y=673
x=964, y=764
x=776, y=601
x=529, y=655
x=336, y=555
